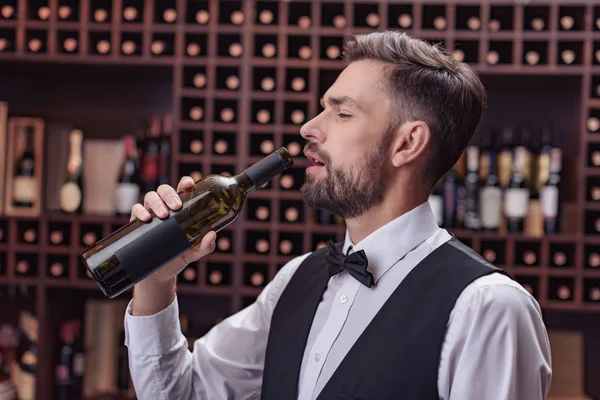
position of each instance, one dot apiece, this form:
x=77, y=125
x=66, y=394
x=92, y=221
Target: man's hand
x=157, y=291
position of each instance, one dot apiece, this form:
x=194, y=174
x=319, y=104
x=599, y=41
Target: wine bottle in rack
x=7, y=11
x=549, y=170
x=133, y=13
x=166, y=14
x=214, y=203
x=24, y=186
x=69, y=44
x=100, y=43
x=472, y=220
x=450, y=189
x=36, y=42
x=461, y=191
x=127, y=191
x=505, y=157
x=490, y=194
x=101, y=11
x=164, y=151
x=516, y=199
x=266, y=13
x=43, y=13
x=299, y=14
x=5, y=44
x=332, y=15
x=71, y=191
x=26, y=354
x=70, y=364
x=150, y=156
x=67, y=12
x=467, y=18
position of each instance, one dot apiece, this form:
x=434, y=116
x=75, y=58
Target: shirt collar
x=394, y=240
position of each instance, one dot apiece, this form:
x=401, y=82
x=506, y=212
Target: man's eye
x=343, y=116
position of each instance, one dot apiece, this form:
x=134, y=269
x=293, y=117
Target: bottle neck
x=245, y=183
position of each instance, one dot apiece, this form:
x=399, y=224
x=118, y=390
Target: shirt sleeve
x=496, y=345
x=226, y=363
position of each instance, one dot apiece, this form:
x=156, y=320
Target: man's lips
x=315, y=159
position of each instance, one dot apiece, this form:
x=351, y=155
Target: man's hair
x=425, y=83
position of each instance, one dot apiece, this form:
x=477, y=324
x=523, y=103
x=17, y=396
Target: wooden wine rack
x=579, y=267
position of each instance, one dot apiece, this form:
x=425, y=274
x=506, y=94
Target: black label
x=153, y=249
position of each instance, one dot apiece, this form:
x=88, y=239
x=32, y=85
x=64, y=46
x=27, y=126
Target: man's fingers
x=153, y=202
x=169, y=196
x=138, y=211
x=206, y=246
x=185, y=183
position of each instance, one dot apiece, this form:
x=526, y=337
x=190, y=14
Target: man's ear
x=412, y=140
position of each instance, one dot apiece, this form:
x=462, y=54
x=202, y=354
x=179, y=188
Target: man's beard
x=351, y=190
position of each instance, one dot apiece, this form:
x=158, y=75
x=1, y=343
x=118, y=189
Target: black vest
x=397, y=356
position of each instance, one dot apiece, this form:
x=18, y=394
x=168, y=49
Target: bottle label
x=549, y=200
x=504, y=168
x=78, y=364
x=484, y=166
x=437, y=206
x=149, y=168
x=490, y=200
x=70, y=197
x=126, y=195
x=516, y=202
x=24, y=189
x=543, y=172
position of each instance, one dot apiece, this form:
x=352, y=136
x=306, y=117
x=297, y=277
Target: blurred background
x=103, y=100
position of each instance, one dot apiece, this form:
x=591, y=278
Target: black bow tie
x=355, y=263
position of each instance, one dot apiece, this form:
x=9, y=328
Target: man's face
x=350, y=139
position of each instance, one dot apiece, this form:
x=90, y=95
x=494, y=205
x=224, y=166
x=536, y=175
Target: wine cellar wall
x=186, y=87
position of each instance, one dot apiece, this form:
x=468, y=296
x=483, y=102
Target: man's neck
x=362, y=226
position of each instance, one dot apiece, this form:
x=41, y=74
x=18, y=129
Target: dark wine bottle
x=139, y=248
x=450, y=188
x=69, y=366
x=164, y=151
x=127, y=192
x=549, y=179
x=472, y=219
x=71, y=191
x=24, y=185
x=150, y=156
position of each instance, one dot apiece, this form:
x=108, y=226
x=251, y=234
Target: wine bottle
x=127, y=192
x=150, y=156
x=450, y=187
x=24, y=185
x=71, y=191
x=516, y=199
x=549, y=192
x=164, y=151
x=490, y=194
x=139, y=248
x=472, y=219
x=69, y=368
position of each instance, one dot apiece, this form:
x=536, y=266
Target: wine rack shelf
x=245, y=75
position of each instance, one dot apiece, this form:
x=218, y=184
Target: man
x=401, y=309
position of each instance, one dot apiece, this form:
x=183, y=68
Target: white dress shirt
x=496, y=345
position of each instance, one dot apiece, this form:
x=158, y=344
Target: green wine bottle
x=136, y=250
